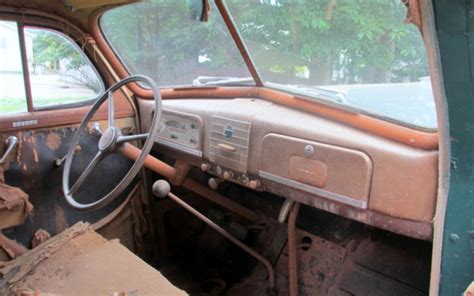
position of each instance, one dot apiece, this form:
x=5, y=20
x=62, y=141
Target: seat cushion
x=81, y=262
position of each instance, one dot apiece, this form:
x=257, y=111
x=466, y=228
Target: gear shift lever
x=161, y=189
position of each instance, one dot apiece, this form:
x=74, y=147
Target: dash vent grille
x=229, y=132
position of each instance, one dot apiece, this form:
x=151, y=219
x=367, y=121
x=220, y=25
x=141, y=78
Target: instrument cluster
x=180, y=131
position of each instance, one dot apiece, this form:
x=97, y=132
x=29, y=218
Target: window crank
x=11, y=143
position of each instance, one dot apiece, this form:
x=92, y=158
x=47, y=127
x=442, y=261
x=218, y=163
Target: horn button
x=108, y=139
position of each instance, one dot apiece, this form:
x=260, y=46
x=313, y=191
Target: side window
x=12, y=87
x=60, y=73
x=58, y=70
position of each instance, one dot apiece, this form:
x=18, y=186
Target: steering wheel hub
x=108, y=139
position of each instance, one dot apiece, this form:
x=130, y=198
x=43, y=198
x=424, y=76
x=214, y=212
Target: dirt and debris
x=60, y=220
x=40, y=237
x=79, y=261
x=14, y=204
x=319, y=262
x=14, y=272
x=12, y=248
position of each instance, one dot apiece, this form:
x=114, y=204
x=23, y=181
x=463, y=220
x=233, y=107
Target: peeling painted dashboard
x=321, y=163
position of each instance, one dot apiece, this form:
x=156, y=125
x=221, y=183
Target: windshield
x=356, y=53
x=360, y=54
x=161, y=39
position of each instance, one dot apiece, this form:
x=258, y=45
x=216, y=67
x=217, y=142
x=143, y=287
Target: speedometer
x=181, y=129
x=176, y=125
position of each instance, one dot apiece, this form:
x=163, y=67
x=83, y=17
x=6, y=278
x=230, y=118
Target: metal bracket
x=97, y=129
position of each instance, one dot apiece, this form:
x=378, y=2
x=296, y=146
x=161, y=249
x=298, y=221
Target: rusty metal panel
x=33, y=170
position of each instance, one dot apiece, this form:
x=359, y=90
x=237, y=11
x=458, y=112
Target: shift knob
x=161, y=188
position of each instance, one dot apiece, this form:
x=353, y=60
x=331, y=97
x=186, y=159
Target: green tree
x=50, y=48
x=339, y=41
x=159, y=38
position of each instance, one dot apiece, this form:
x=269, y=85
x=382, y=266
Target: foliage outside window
x=161, y=39
x=357, y=53
x=59, y=71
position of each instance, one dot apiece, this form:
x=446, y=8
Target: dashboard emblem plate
x=228, y=132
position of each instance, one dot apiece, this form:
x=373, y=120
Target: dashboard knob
x=219, y=170
x=254, y=184
x=228, y=175
x=205, y=167
x=161, y=188
x=308, y=150
x=244, y=180
x=214, y=183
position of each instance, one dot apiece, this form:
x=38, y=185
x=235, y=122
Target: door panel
x=32, y=169
x=60, y=83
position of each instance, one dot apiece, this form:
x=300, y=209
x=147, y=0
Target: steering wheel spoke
x=123, y=139
x=109, y=142
x=111, y=120
x=95, y=161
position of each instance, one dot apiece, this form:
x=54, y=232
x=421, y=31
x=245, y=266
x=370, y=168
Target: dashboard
x=321, y=163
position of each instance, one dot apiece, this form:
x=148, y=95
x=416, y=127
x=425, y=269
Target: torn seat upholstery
x=14, y=205
x=79, y=261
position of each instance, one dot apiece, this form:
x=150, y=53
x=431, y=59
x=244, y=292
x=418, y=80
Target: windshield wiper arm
x=314, y=91
x=217, y=80
x=309, y=90
x=326, y=93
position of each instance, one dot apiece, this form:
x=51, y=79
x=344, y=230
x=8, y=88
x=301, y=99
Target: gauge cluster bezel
x=178, y=142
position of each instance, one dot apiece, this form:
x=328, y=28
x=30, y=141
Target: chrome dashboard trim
x=179, y=147
x=310, y=189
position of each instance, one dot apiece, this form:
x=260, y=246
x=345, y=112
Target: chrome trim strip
x=179, y=147
x=310, y=189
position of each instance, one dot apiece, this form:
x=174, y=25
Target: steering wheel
x=110, y=142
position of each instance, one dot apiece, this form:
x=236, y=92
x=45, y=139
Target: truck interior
x=232, y=147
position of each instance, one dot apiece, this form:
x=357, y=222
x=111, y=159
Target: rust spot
x=53, y=141
x=60, y=219
x=20, y=145
x=35, y=155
